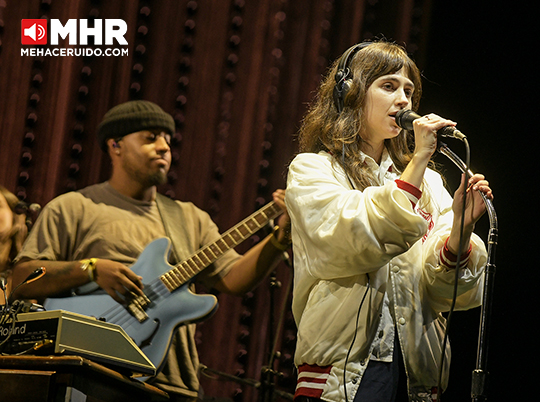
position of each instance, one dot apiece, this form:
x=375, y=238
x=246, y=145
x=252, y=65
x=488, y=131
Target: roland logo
x=6, y=330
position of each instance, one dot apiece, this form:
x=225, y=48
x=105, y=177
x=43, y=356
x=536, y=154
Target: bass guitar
x=168, y=303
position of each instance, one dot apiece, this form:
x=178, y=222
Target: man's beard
x=155, y=178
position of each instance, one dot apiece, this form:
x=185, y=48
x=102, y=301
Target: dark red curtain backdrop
x=236, y=75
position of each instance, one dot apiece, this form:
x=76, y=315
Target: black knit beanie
x=130, y=117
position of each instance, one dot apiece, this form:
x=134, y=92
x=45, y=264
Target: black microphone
x=34, y=276
x=405, y=118
x=3, y=283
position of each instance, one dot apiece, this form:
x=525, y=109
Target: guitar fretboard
x=205, y=256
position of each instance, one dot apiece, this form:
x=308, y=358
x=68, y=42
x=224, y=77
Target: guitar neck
x=205, y=256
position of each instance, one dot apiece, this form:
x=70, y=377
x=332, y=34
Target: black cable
x=353, y=340
x=457, y=269
x=363, y=298
x=5, y=307
x=12, y=311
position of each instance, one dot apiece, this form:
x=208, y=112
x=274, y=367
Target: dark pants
x=382, y=382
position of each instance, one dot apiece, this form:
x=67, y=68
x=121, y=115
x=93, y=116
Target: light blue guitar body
x=168, y=303
x=166, y=310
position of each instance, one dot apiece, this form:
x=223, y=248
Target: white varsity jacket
x=383, y=240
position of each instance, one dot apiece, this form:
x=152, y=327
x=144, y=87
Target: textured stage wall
x=236, y=75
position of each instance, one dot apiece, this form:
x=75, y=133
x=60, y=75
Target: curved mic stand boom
x=479, y=375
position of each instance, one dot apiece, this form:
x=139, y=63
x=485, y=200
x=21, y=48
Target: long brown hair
x=325, y=129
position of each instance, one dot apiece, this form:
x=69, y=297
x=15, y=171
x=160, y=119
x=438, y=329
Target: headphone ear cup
x=343, y=76
x=341, y=89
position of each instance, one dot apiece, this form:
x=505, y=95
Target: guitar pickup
x=137, y=308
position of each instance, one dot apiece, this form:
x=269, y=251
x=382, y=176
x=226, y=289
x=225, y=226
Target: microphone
x=3, y=283
x=34, y=276
x=18, y=305
x=405, y=118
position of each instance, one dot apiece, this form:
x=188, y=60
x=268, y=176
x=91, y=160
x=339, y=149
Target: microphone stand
x=266, y=387
x=243, y=381
x=268, y=374
x=479, y=375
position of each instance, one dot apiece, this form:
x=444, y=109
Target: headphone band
x=344, y=76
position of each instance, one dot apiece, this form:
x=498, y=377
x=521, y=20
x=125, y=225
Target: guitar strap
x=172, y=216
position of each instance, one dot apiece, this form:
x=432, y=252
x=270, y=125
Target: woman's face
x=6, y=218
x=386, y=96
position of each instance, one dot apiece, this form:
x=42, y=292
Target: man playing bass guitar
x=95, y=235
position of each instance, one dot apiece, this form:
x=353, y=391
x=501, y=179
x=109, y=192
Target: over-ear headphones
x=344, y=75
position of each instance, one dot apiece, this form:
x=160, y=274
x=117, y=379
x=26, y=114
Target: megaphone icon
x=36, y=31
x=31, y=32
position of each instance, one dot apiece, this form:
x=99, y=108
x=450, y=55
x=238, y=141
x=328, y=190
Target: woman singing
x=376, y=236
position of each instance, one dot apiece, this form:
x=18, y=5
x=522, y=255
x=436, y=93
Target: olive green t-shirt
x=99, y=222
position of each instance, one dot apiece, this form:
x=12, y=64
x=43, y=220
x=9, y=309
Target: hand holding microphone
x=406, y=117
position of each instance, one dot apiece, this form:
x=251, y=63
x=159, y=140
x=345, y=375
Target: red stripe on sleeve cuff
x=413, y=192
x=449, y=259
